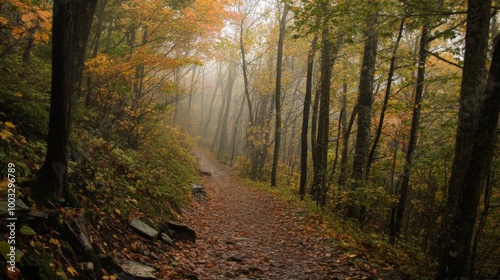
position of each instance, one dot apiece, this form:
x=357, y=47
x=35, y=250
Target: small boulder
x=107, y=262
x=198, y=190
x=181, y=231
x=143, y=229
x=138, y=270
x=165, y=238
x=204, y=173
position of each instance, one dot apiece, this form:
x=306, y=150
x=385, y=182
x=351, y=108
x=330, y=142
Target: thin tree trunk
x=277, y=129
x=482, y=220
x=29, y=46
x=387, y=95
x=337, y=145
x=202, y=101
x=346, y=133
x=412, y=142
x=95, y=48
x=245, y=73
x=305, y=118
x=192, y=88
x=214, y=96
x=217, y=135
x=235, y=133
x=328, y=53
x=229, y=93
x=314, y=136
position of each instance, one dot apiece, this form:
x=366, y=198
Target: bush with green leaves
x=153, y=180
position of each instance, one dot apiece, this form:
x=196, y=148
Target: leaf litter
x=247, y=233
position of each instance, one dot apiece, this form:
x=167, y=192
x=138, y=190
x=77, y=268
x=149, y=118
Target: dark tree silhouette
x=475, y=141
x=72, y=21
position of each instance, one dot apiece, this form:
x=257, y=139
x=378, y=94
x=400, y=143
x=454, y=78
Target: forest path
x=247, y=233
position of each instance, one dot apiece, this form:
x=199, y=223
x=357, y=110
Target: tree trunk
x=277, y=129
x=475, y=142
x=220, y=117
x=346, y=133
x=328, y=53
x=245, y=72
x=387, y=95
x=95, y=46
x=305, y=118
x=235, y=133
x=214, y=96
x=314, y=136
x=365, y=101
x=225, y=117
x=412, y=143
x=70, y=31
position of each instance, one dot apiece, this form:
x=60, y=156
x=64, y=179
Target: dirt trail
x=246, y=233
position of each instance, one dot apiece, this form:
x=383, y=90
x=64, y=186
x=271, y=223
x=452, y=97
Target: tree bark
x=305, y=118
x=72, y=21
x=277, y=103
x=225, y=117
x=412, y=142
x=245, y=72
x=346, y=133
x=212, y=102
x=475, y=142
x=95, y=46
x=365, y=102
x=314, y=138
x=235, y=133
x=387, y=95
x=328, y=54
x=320, y=174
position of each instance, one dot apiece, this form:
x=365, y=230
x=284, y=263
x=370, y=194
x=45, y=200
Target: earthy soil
x=248, y=233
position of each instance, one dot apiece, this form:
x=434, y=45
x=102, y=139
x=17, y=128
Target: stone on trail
x=137, y=270
x=167, y=239
x=143, y=229
x=181, y=231
x=204, y=173
x=198, y=190
x=148, y=232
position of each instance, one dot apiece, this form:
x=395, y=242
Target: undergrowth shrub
x=25, y=95
x=152, y=181
x=24, y=113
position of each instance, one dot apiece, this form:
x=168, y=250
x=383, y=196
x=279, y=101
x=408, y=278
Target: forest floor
x=248, y=233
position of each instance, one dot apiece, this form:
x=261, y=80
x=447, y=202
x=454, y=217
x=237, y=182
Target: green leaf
x=26, y=230
x=5, y=250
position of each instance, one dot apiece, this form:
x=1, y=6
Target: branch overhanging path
x=247, y=233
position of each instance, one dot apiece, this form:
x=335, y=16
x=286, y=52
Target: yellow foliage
x=72, y=272
x=5, y=134
x=54, y=242
x=9, y=125
x=35, y=21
